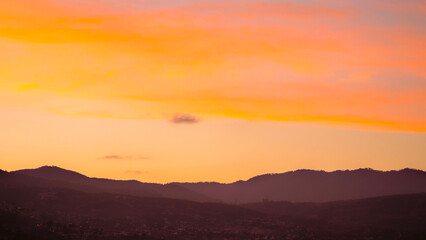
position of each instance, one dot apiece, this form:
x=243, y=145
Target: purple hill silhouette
x=61, y=178
x=316, y=186
x=54, y=203
x=295, y=186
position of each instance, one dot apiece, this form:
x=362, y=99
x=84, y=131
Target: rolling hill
x=58, y=177
x=296, y=186
x=315, y=186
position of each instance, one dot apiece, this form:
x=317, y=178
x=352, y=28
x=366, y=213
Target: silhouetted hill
x=297, y=186
x=396, y=206
x=398, y=212
x=12, y=180
x=392, y=217
x=58, y=177
x=53, y=203
x=53, y=172
x=112, y=206
x=316, y=186
x=69, y=214
x=114, y=214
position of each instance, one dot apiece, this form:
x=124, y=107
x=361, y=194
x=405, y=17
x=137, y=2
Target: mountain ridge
x=92, y=184
x=303, y=170
x=302, y=185
x=316, y=186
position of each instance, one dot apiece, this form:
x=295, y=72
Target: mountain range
x=295, y=186
x=58, y=204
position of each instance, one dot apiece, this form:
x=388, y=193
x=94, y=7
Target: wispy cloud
x=232, y=59
x=184, y=118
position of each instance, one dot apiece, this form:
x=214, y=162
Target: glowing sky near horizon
x=168, y=90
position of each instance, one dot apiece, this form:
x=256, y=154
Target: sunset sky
x=212, y=90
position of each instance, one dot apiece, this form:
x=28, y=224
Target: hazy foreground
x=52, y=203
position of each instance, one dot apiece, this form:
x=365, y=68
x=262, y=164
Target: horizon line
x=265, y=174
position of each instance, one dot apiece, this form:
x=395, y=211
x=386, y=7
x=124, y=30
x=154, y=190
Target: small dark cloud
x=113, y=157
x=184, y=118
x=124, y=157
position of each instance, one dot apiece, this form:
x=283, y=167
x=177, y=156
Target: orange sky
x=245, y=80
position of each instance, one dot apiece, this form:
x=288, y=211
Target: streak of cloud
x=230, y=59
x=184, y=118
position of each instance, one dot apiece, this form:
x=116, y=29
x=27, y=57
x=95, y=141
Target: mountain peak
x=52, y=172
